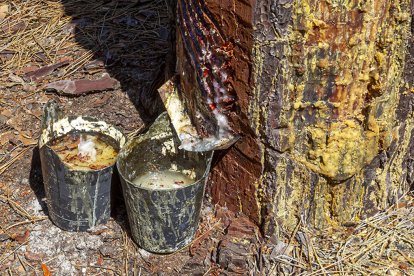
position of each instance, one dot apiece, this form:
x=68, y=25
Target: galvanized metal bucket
x=162, y=220
x=77, y=199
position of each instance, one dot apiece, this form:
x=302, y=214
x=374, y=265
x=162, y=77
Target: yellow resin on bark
x=354, y=138
x=369, y=60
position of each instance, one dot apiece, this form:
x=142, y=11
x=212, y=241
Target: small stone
x=93, y=242
x=108, y=251
x=81, y=244
x=30, y=256
x=4, y=237
x=3, y=119
x=66, y=268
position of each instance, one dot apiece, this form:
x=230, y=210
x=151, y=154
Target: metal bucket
x=77, y=199
x=162, y=220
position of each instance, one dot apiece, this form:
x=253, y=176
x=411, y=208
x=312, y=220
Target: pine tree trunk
x=322, y=95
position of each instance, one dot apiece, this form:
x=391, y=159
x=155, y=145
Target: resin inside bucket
x=156, y=173
x=85, y=150
x=165, y=179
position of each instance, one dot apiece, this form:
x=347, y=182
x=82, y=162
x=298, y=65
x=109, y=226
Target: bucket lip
x=42, y=142
x=91, y=119
x=202, y=178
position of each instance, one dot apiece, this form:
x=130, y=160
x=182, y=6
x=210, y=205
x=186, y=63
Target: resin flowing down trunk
x=321, y=94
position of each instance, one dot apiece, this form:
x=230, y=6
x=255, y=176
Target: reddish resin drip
x=212, y=55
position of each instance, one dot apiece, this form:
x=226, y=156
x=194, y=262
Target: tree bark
x=321, y=93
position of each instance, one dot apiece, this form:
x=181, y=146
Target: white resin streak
x=186, y=131
x=66, y=125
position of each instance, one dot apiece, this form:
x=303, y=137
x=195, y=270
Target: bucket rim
x=202, y=178
x=43, y=141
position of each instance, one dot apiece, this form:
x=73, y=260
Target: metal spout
x=190, y=139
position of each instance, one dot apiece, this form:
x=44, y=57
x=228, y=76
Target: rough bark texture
x=321, y=92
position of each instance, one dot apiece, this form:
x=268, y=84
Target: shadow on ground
x=36, y=179
x=134, y=41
